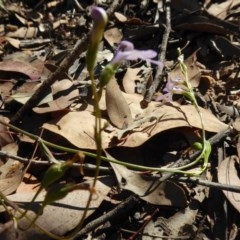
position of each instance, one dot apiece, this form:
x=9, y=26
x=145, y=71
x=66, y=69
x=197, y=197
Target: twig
x=140, y=230
x=158, y=77
x=86, y=166
x=121, y=209
x=40, y=93
x=220, y=186
x=45, y=86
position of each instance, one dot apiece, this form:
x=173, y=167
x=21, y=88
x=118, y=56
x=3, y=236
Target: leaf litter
x=159, y=135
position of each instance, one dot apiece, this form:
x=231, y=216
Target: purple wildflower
x=126, y=51
x=173, y=86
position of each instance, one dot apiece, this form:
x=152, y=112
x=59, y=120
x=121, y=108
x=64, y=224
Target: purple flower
x=126, y=51
x=173, y=86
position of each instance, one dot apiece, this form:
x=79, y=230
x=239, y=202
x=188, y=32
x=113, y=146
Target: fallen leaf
x=5, y=136
x=117, y=108
x=23, y=32
x=20, y=67
x=120, y=17
x=14, y=42
x=64, y=93
x=63, y=215
x=228, y=174
x=201, y=21
x=113, y=36
x=165, y=117
x=131, y=79
x=11, y=172
x=77, y=128
x=221, y=9
x=150, y=190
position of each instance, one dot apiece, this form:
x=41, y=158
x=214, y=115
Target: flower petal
x=141, y=54
x=125, y=46
x=119, y=57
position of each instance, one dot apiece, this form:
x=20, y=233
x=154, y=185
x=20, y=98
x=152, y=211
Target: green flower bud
x=197, y=146
x=54, y=173
x=57, y=192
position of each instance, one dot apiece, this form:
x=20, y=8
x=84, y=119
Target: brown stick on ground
x=158, y=77
x=40, y=93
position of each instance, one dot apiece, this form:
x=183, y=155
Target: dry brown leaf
x=65, y=214
x=11, y=172
x=14, y=42
x=23, y=32
x=5, y=136
x=228, y=174
x=118, y=110
x=21, y=67
x=150, y=190
x=221, y=10
x=113, y=36
x=77, y=128
x=120, y=17
x=64, y=93
x=180, y=222
x=158, y=119
x=129, y=80
x=29, y=184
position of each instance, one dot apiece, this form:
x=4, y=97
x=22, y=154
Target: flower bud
x=54, y=173
x=100, y=20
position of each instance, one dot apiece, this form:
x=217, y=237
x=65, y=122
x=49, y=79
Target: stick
x=120, y=210
x=158, y=77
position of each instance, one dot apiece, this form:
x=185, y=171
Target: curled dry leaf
x=221, y=9
x=150, y=190
x=117, y=108
x=166, y=117
x=64, y=93
x=78, y=127
x=228, y=174
x=14, y=42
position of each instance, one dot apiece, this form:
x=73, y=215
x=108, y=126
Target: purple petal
x=119, y=57
x=125, y=46
x=126, y=51
x=144, y=55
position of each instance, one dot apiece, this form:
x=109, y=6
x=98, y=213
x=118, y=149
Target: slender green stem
x=98, y=141
x=206, y=146
x=93, y=155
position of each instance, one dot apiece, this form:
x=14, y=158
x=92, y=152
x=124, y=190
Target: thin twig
x=86, y=166
x=118, y=211
x=41, y=92
x=158, y=77
x=220, y=186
